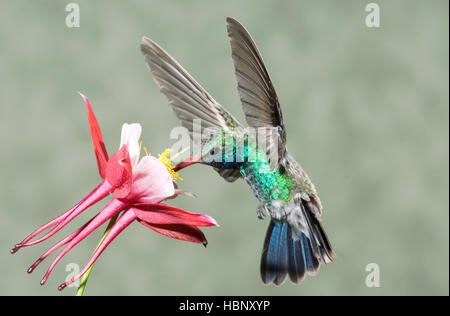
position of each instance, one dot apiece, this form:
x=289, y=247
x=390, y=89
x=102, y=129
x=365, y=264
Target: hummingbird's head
x=205, y=151
x=218, y=148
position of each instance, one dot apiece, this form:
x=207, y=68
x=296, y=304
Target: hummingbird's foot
x=261, y=211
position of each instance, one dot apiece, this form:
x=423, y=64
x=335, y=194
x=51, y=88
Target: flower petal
x=130, y=137
x=119, y=173
x=95, y=196
x=109, y=211
x=152, y=182
x=125, y=219
x=177, y=231
x=166, y=214
x=97, y=139
x=56, y=246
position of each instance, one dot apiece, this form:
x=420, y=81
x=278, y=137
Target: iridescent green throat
x=271, y=185
x=254, y=166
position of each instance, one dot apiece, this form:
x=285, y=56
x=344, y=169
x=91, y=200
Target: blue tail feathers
x=285, y=255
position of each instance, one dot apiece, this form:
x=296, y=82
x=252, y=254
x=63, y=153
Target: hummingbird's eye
x=212, y=152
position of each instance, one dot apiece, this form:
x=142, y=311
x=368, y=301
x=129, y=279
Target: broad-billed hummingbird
x=295, y=242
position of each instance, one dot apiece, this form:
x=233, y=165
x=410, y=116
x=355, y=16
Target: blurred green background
x=366, y=112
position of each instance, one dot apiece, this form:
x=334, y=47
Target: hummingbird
x=295, y=243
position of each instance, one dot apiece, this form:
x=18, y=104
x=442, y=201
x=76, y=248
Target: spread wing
x=188, y=100
x=186, y=97
x=258, y=97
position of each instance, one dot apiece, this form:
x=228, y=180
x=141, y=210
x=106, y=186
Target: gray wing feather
x=258, y=97
x=186, y=97
x=230, y=175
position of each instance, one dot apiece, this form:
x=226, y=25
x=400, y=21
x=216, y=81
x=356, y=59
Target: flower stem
x=85, y=276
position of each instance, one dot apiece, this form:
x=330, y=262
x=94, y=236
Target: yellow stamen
x=146, y=152
x=164, y=158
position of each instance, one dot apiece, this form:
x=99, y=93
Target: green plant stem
x=85, y=276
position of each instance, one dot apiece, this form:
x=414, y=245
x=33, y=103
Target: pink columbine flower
x=138, y=188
